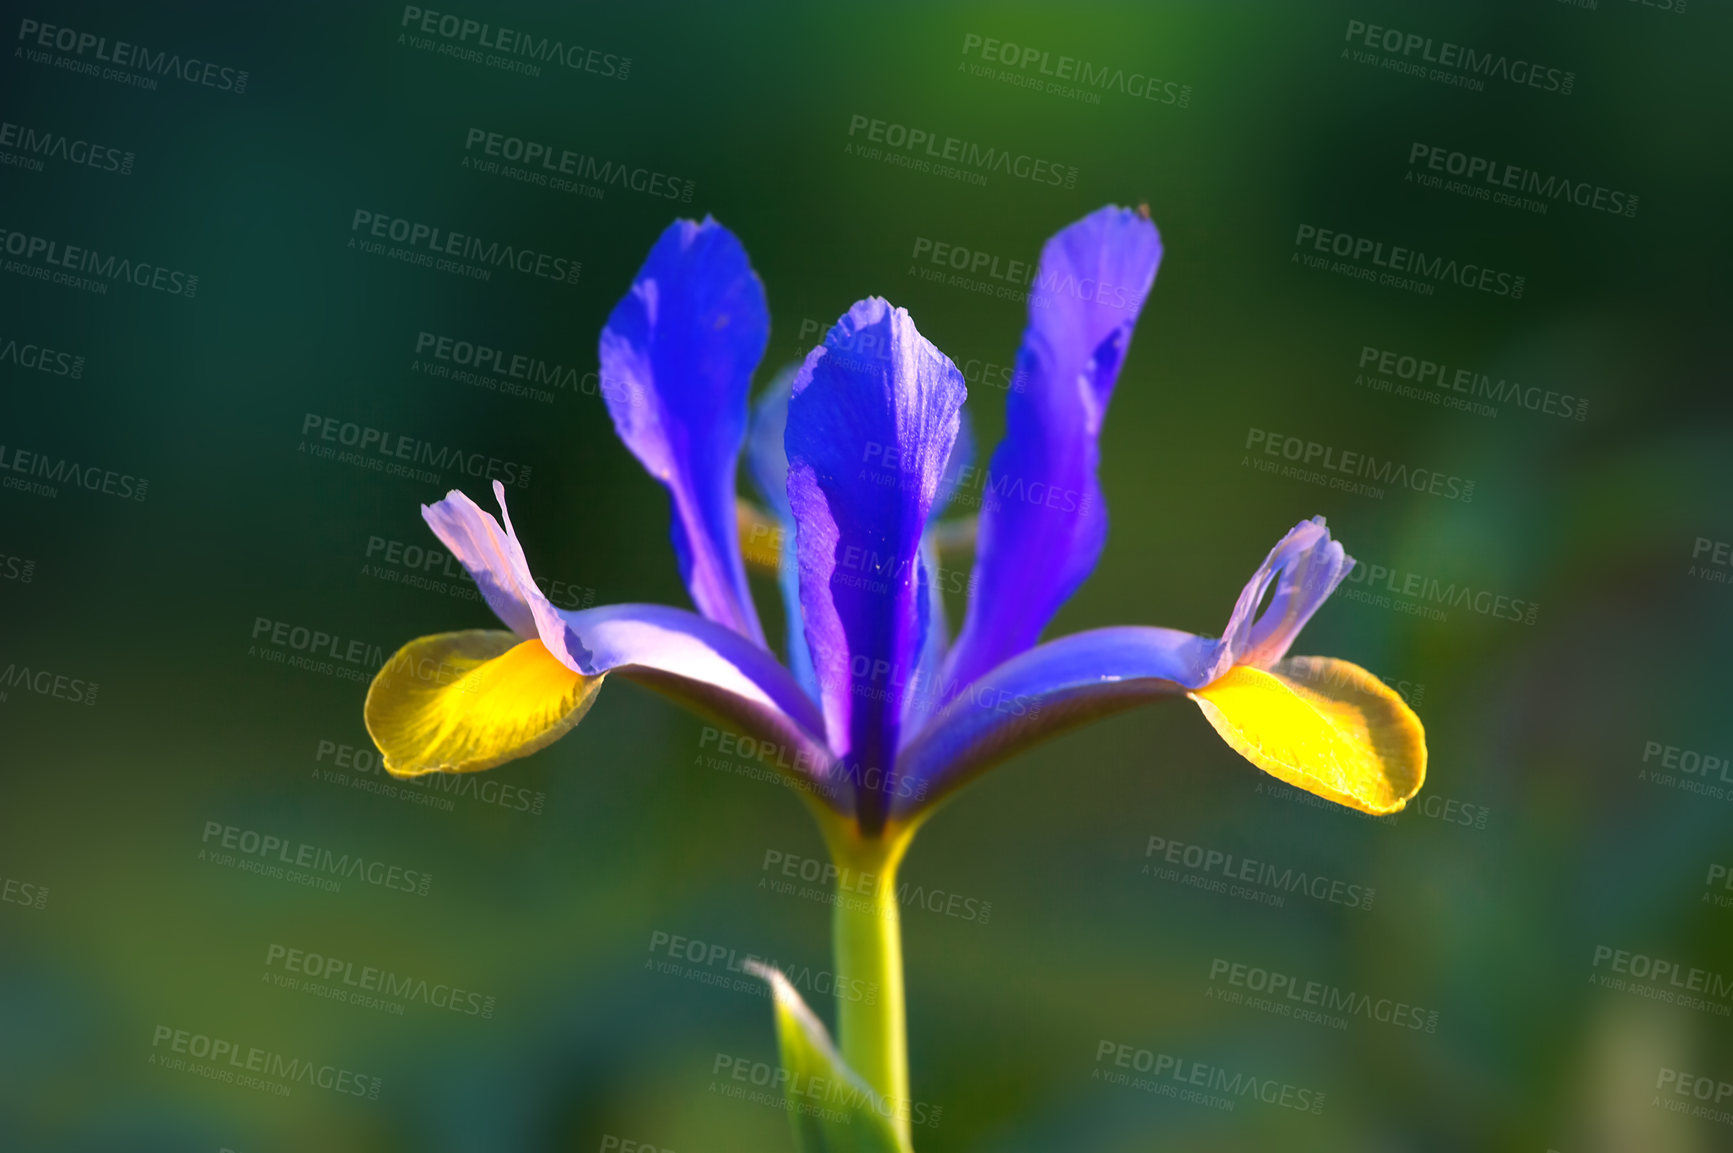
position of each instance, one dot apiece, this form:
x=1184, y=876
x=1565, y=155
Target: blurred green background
x=1542, y=850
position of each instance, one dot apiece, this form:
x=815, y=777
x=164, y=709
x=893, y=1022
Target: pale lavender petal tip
x=1306, y=566
x=496, y=560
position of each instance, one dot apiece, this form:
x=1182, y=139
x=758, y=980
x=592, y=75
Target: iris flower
x=877, y=710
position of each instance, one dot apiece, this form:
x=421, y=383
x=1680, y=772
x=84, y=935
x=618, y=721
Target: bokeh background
x=1573, y=834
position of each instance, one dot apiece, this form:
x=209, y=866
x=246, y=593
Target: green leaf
x=830, y=1108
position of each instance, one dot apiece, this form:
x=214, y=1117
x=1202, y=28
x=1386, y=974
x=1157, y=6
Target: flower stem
x=867, y=935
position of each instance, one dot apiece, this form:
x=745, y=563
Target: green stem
x=867, y=935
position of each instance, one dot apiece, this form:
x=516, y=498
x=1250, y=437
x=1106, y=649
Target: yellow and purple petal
x=496, y=561
x=464, y=701
x=467, y=700
x=1322, y=725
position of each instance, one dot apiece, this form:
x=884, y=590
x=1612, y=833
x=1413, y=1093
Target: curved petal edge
x=1323, y=725
x=465, y=701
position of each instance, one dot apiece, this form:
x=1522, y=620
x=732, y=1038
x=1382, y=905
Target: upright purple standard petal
x=1043, y=519
x=867, y=442
x=677, y=360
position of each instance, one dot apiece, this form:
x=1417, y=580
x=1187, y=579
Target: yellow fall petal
x=760, y=536
x=464, y=701
x=1322, y=725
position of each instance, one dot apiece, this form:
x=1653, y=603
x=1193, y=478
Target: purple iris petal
x=677, y=360
x=867, y=440
x=1306, y=566
x=1041, y=693
x=766, y=459
x=1043, y=518
x=768, y=462
x=958, y=469
x=496, y=560
x=925, y=684
x=710, y=668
